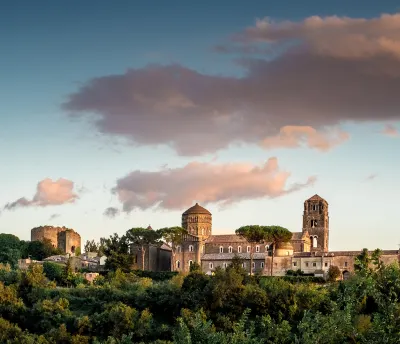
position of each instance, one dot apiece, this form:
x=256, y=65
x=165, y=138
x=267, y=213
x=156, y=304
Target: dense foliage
x=48, y=304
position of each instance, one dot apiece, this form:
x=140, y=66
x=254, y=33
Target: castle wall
x=46, y=232
x=69, y=241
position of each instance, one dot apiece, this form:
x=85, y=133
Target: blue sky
x=50, y=50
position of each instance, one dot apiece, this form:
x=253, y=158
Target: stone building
x=156, y=257
x=308, y=250
x=66, y=239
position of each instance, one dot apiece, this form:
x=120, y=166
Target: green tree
x=91, y=246
x=174, y=237
x=117, y=251
x=275, y=235
x=362, y=261
x=253, y=234
x=39, y=250
x=333, y=273
x=10, y=249
x=142, y=238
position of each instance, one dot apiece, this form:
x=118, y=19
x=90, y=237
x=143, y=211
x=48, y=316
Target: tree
x=10, y=249
x=274, y=235
x=91, y=246
x=117, y=251
x=253, y=234
x=362, y=261
x=142, y=237
x=333, y=273
x=174, y=237
x=39, y=250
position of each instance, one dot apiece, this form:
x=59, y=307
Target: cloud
x=47, y=193
x=371, y=177
x=319, y=73
x=54, y=216
x=205, y=183
x=111, y=212
x=292, y=137
x=390, y=130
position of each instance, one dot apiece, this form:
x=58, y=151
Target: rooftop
x=197, y=209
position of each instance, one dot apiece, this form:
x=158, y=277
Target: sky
x=122, y=114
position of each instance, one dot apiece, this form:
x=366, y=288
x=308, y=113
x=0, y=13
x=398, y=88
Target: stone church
x=308, y=250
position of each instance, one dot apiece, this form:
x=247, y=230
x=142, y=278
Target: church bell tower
x=316, y=222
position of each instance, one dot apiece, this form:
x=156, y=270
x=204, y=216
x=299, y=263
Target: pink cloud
x=48, y=193
x=292, y=137
x=324, y=73
x=390, y=130
x=204, y=182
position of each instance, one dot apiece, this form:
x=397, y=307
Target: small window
x=211, y=265
x=190, y=248
x=257, y=248
x=239, y=249
x=345, y=263
x=266, y=247
x=190, y=262
x=262, y=265
x=178, y=264
x=178, y=249
x=307, y=264
x=225, y=265
x=314, y=264
x=248, y=248
x=326, y=264
x=221, y=249
x=294, y=263
x=230, y=249
x=243, y=265
x=253, y=265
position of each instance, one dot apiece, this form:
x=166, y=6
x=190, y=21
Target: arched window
x=248, y=248
x=178, y=249
x=211, y=265
x=257, y=248
x=225, y=265
x=178, y=264
x=243, y=265
x=221, y=249
x=239, y=249
x=253, y=265
x=190, y=248
x=262, y=265
x=266, y=247
x=230, y=249
x=314, y=241
x=190, y=263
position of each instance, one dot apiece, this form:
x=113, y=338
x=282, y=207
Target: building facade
x=307, y=251
x=66, y=239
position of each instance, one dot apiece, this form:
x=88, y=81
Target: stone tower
x=316, y=222
x=198, y=223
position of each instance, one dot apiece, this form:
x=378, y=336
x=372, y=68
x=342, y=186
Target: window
x=190, y=262
x=225, y=265
x=315, y=207
x=243, y=265
x=178, y=264
x=239, y=249
x=253, y=265
x=262, y=265
x=294, y=263
x=345, y=263
x=257, y=248
x=266, y=247
x=230, y=249
x=221, y=249
x=248, y=248
x=211, y=265
x=178, y=249
x=326, y=264
x=190, y=248
x=307, y=264
x=314, y=264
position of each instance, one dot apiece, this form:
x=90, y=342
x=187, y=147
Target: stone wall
x=69, y=241
x=46, y=232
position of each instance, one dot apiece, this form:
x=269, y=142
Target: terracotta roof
x=225, y=238
x=297, y=235
x=316, y=198
x=197, y=209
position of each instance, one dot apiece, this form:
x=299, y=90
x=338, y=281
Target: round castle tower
x=197, y=221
